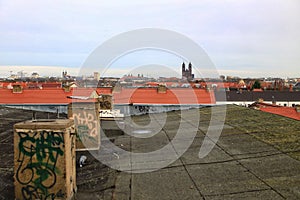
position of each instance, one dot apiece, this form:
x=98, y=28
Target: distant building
x=65, y=75
x=297, y=87
x=35, y=75
x=246, y=98
x=13, y=77
x=96, y=76
x=21, y=74
x=187, y=73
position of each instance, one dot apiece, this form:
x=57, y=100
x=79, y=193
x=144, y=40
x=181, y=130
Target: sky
x=247, y=38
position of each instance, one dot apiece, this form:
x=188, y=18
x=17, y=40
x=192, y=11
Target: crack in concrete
x=231, y=193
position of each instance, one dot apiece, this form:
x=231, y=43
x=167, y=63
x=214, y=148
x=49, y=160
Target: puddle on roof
x=142, y=131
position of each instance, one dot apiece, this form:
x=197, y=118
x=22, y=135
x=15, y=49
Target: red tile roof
x=172, y=96
x=51, y=85
x=278, y=110
x=36, y=96
x=126, y=96
x=257, y=90
x=283, y=111
x=104, y=90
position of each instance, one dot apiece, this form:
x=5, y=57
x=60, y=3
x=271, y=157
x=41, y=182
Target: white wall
x=247, y=103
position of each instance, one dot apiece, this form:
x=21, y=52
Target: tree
x=256, y=85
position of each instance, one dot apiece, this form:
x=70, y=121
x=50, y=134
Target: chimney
x=291, y=88
x=260, y=100
x=297, y=107
x=67, y=88
x=17, y=89
x=162, y=89
x=117, y=88
x=105, y=101
x=51, y=143
x=273, y=101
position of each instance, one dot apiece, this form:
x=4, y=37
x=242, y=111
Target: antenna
x=57, y=112
x=33, y=115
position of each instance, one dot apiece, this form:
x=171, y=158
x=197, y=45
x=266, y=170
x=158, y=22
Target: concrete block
x=87, y=125
x=105, y=101
x=44, y=159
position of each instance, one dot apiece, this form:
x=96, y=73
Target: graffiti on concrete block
x=105, y=101
x=83, y=133
x=37, y=169
x=87, y=126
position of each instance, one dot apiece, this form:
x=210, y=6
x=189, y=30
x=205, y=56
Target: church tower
x=183, y=67
x=187, y=72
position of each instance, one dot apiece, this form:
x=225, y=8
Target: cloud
x=55, y=71
x=237, y=34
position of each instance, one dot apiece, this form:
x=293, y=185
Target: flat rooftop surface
x=256, y=157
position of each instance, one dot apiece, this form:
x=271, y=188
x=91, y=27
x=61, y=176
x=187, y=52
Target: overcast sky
x=242, y=37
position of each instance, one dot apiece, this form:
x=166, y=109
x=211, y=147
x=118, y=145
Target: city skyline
x=242, y=38
x=56, y=71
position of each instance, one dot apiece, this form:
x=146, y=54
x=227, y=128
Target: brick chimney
x=67, y=88
x=291, y=88
x=162, y=89
x=105, y=101
x=117, y=88
x=273, y=101
x=17, y=89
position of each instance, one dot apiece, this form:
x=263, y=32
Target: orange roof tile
x=104, y=90
x=283, y=111
x=126, y=96
x=172, y=96
x=45, y=96
x=257, y=90
x=51, y=85
x=278, y=110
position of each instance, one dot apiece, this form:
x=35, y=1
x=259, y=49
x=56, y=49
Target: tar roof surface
x=256, y=157
x=254, y=96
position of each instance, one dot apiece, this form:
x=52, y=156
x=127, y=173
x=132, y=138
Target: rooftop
x=290, y=112
x=124, y=96
x=256, y=157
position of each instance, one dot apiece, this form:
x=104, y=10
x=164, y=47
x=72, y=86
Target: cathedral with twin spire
x=187, y=72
